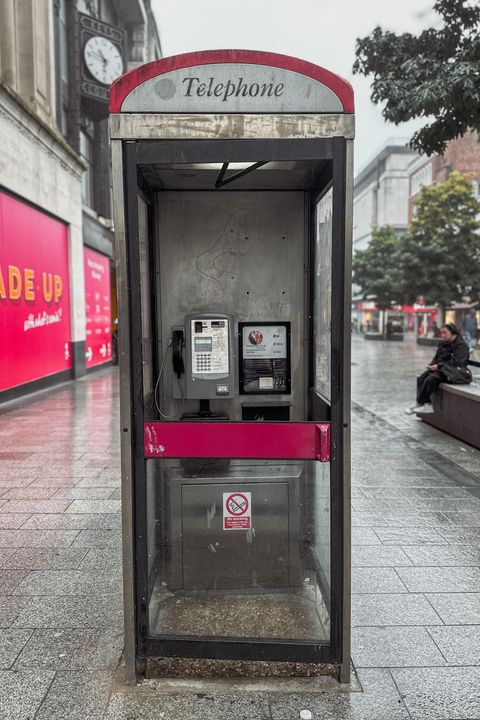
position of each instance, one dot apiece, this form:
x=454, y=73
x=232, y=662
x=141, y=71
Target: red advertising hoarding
x=34, y=294
x=98, y=309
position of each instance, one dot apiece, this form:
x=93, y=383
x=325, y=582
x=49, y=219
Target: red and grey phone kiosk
x=232, y=183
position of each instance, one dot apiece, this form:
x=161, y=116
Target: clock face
x=103, y=59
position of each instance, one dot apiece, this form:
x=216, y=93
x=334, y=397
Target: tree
x=440, y=254
x=436, y=73
x=376, y=269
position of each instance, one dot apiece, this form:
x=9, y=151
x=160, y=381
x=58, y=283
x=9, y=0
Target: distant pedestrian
x=469, y=327
x=449, y=365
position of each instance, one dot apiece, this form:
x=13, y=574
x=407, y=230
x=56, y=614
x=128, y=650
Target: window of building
x=423, y=176
x=86, y=152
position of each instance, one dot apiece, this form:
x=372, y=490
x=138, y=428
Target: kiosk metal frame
x=152, y=137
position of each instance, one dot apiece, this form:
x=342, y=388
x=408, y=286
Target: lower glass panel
x=239, y=548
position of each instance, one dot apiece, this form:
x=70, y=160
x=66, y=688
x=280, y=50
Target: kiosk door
x=238, y=539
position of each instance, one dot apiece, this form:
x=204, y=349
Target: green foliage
x=441, y=251
x=436, y=73
x=376, y=269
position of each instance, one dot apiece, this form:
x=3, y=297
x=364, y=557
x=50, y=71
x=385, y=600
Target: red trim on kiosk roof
x=123, y=85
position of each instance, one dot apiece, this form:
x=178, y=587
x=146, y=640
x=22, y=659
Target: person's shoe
x=424, y=409
x=410, y=410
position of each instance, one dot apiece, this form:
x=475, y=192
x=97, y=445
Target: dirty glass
x=239, y=548
x=322, y=309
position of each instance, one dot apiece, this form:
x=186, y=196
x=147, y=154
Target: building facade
x=57, y=59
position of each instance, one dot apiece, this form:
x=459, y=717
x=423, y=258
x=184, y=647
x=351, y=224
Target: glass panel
x=239, y=548
x=323, y=295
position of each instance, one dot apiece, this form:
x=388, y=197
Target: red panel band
x=295, y=441
x=123, y=85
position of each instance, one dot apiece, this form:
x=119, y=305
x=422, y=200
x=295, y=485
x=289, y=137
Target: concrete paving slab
x=188, y=706
x=69, y=611
x=440, y=693
x=37, y=538
x=76, y=696
x=385, y=556
x=12, y=521
x=94, y=506
x=21, y=693
x=460, y=644
x=372, y=610
x=365, y=536
x=67, y=582
x=438, y=555
x=457, y=608
x=10, y=580
x=81, y=493
x=43, y=558
x=440, y=579
x=394, y=647
x=409, y=536
x=72, y=649
x=68, y=522
x=12, y=641
x=376, y=580
x=10, y=608
x=99, y=538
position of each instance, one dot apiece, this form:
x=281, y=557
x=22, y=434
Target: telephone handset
x=177, y=356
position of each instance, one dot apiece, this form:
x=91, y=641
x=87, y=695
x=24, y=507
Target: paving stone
x=394, y=647
x=11, y=521
x=397, y=609
x=413, y=518
x=85, y=649
x=376, y=580
x=462, y=518
x=46, y=482
x=68, y=611
x=10, y=579
x=94, y=506
x=367, y=519
x=11, y=643
x=188, y=706
x=460, y=644
x=409, y=536
x=457, y=608
x=378, y=701
x=440, y=693
x=101, y=558
x=461, y=535
x=65, y=522
x=21, y=693
x=99, y=538
x=10, y=608
x=37, y=538
x=67, y=582
x=28, y=493
x=364, y=536
x=447, y=555
x=43, y=558
x=35, y=506
x=82, y=493
x=76, y=696
x=440, y=579
x=468, y=505
x=99, y=482
x=383, y=556
x=443, y=492
x=5, y=553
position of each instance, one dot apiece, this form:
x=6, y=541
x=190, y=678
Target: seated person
x=449, y=365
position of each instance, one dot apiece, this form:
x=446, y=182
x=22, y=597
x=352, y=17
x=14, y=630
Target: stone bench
x=457, y=411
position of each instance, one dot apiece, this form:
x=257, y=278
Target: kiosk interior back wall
x=234, y=252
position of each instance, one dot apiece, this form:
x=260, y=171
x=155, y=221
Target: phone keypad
x=204, y=363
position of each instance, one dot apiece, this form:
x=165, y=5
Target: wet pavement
x=416, y=565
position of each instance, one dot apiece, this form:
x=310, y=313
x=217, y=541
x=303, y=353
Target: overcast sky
x=321, y=31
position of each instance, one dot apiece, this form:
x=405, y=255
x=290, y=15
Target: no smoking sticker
x=237, y=511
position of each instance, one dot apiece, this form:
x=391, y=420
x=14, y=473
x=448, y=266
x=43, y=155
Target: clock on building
x=102, y=57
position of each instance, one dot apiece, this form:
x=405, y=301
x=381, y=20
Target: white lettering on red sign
x=237, y=511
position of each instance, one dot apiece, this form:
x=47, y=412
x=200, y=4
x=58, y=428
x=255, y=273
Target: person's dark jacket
x=452, y=358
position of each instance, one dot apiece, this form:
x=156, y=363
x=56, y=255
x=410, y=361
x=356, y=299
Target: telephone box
x=232, y=185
